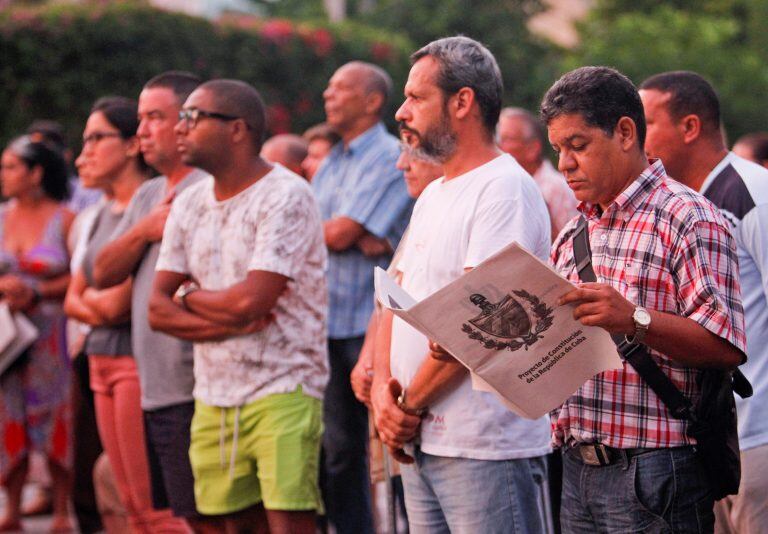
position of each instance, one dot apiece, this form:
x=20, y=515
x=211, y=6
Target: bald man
x=241, y=274
x=521, y=135
x=365, y=207
x=289, y=150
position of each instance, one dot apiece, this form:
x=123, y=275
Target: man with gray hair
x=521, y=135
x=365, y=207
x=474, y=466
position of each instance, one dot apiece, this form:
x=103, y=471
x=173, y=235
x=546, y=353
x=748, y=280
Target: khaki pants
x=747, y=512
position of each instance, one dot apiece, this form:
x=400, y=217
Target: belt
x=597, y=454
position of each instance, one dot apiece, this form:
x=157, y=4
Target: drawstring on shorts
x=222, y=440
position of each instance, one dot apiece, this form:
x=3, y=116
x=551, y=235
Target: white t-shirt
x=456, y=224
x=560, y=199
x=740, y=189
x=274, y=225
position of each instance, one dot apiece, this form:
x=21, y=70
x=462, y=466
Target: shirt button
x=603, y=237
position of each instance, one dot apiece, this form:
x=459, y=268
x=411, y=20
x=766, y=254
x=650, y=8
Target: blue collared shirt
x=360, y=182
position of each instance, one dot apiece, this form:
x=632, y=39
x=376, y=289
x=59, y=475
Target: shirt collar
x=636, y=193
x=362, y=141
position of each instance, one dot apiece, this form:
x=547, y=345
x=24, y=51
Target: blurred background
x=58, y=56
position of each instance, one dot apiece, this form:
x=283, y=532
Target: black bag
x=712, y=423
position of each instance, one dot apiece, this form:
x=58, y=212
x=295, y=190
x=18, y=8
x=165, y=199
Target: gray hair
x=464, y=62
x=535, y=127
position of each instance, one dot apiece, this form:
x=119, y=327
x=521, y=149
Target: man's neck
x=238, y=176
x=176, y=174
x=472, y=150
x=632, y=171
x=702, y=159
x=357, y=129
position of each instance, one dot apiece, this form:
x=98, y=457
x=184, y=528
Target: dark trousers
x=345, y=480
x=87, y=448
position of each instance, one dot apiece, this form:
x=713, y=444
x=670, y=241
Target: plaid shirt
x=666, y=248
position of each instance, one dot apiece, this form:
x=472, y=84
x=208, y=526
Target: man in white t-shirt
x=682, y=111
x=473, y=466
x=521, y=135
x=243, y=254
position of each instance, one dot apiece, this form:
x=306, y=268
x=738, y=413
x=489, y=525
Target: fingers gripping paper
x=501, y=321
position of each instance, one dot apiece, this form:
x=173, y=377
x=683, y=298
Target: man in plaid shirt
x=667, y=276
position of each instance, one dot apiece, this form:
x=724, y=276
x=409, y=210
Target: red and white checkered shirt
x=666, y=248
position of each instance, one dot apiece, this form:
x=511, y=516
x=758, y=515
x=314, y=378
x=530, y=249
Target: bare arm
x=361, y=376
x=113, y=304
x=240, y=304
x=679, y=338
x=342, y=233
x=75, y=307
x=167, y=316
x=119, y=258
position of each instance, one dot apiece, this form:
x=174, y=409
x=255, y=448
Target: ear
x=626, y=130
x=239, y=131
x=132, y=148
x=690, y=126
x=36, y=174
x=462, y=101
x=373, y=103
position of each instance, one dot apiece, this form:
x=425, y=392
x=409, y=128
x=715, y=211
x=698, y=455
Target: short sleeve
x=705, y=265
x=287, y=233
x=173, y=253
x=501, y=217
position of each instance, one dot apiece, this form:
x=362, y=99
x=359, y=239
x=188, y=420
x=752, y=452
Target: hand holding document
x=500, y=320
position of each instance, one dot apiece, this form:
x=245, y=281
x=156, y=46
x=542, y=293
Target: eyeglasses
x=95, y=137
x=191, y=116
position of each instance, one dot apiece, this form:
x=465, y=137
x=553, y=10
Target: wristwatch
x=642, y=320
x=184, y=290
x=418, y=412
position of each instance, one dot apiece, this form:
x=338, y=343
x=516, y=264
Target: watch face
x=642, y=317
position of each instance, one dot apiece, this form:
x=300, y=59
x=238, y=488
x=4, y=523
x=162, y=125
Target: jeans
x=466, y=496
x=345, y=481
x=664, y=490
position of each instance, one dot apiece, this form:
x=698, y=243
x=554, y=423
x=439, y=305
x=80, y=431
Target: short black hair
x=182, y=83
x=464, y=62
x=601, y=95
x=55, y=178
x=240, y=99
x=690, y=94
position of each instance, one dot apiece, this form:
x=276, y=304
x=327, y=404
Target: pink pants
x=117, y=396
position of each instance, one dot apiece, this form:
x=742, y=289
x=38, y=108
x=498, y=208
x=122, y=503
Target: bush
x=57, y=60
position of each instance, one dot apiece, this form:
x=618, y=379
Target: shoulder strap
x=636, y=354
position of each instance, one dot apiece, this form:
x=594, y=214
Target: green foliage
x=55, y=61
x=712, y=38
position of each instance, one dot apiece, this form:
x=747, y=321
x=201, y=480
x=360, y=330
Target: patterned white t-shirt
x=274, y=225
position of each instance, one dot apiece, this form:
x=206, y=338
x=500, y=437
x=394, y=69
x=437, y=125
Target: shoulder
x=679, y=210
x=284, y=187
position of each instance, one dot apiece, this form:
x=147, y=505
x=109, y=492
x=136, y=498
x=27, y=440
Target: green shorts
x=275, y=458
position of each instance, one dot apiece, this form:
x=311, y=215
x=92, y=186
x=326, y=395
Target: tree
x=713, y=39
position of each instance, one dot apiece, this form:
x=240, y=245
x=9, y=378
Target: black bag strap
x=636, y=354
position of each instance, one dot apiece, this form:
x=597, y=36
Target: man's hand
x=396, y=428
x=154, y=223
x=439, y=353
x=361, y=379
x=373, y=246
x=601, y=305
x=257, y=325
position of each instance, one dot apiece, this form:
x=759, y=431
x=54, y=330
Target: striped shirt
x=360, y=182
x=666, y=248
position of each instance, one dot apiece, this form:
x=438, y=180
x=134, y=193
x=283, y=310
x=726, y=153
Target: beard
x=436, y=144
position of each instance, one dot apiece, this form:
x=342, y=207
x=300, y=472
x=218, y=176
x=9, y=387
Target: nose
x=181, y=127
x=327, y=93
x=403, y=114
x=402, y=163
x=143, y=129
x=566, y=161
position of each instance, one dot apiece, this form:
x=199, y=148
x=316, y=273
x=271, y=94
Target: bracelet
x=186, y=289
x=401, y=403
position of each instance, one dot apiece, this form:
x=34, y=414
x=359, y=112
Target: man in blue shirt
x=365, y=207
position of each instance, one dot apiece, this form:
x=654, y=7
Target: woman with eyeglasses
x=111, y=161
x=35, y=390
